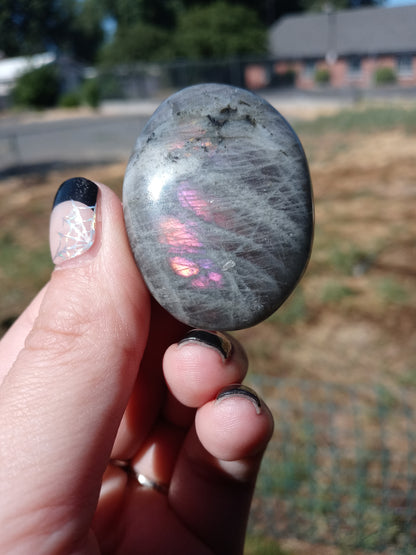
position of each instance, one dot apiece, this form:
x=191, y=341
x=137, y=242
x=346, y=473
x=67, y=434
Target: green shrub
x=385, y=76
x=37, y=88
x=285, y=79
x=322, y=76
x=110, y=86
x=88, y=93
x=290, y=76
x=70, y=99
x=91, y=92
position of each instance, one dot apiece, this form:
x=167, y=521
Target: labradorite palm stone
x=218, y=207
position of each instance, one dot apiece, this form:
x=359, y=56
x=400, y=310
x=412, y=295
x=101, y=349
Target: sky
x=392, y=3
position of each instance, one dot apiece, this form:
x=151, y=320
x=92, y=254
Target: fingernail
x=215, y=340
x=73, y=218
x=241, y=391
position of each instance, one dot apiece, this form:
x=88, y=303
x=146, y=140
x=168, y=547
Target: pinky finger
x=236, y=425
x=214, y=479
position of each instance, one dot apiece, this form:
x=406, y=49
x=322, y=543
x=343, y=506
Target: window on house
x=309, y=69
x=354, y=67
x=405, y=65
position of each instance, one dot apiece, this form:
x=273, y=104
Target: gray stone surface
x=218, y=207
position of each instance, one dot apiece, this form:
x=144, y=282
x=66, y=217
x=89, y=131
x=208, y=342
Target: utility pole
x=331, y=49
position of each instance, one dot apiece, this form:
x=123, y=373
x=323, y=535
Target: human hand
x=120, y=430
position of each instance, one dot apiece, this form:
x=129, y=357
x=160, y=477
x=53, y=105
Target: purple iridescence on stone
x=218, y=207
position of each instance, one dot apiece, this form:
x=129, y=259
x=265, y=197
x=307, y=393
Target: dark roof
x=360, y=31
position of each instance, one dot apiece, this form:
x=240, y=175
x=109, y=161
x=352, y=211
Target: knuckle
x=58, y=334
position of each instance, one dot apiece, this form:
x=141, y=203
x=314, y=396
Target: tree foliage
x=219, y=30
x=30, y=26
x=85, y=33
x=139, y=41
x=161, y=13
x=327, y=5
x=146, y=29
x=268, y=11
x=68, y=26
x=201, y=32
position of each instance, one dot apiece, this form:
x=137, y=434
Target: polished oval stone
x=218, y=207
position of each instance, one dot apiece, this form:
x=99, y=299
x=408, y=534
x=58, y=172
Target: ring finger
x=196, y=368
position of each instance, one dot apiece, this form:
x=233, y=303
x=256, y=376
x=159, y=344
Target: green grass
x=386, y=401
x=17, y=262
x=409, y=377
x=284, y=475
x=392, y=292
x=259, y=545
x=363, y=120
x=22, y=273
x=293, y=310
x=349, y=260
x=335, y=292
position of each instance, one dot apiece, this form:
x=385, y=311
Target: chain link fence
x=340, y=468
x=145, y=80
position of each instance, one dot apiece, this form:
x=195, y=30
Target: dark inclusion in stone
x=218, y=207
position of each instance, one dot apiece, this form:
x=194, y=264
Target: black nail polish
x=242, y=391
x=216, y=340
x=77, y=189
x=73, y=219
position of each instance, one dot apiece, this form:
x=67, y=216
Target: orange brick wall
x=408, y=80
x=341, y=76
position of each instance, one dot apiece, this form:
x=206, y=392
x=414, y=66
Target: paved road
x=105, y=137
x=110, y=135
x=50, y=144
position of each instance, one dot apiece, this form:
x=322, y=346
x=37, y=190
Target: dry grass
x=352, y=319
x=350, y=326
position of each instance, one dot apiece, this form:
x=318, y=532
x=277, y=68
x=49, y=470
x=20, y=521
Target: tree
x=161, y=13
x=85, y=34
x=360, y=3
x=30, y=26
x=219, y=30
x=67, y=26
x=137, y=41
x=268, y=11
x=146, y=29
x=322, y=5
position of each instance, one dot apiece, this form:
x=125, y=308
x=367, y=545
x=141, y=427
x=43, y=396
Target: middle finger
x=150, y=389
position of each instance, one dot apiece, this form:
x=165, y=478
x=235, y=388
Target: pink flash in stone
x=189, y=198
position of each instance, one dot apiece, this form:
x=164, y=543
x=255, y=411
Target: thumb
x=62, y=400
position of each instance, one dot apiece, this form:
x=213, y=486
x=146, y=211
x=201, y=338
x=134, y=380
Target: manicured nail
x=241, y=391
x=72, y=224
x=215, y=340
